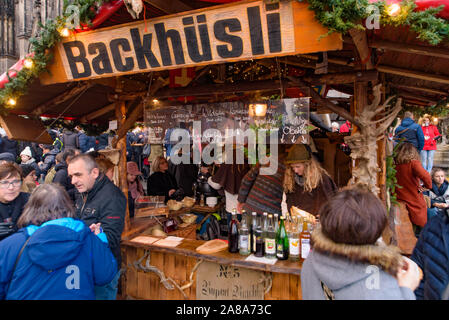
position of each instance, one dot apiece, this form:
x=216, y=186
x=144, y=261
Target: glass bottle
x=244, y=243
x=270, y=239
x=276, y=223
x=233, y=234
x=293, y=241
x=265, y=223
x=253, y=231
x=282, y=243
x=259, y=252
x=304, y=240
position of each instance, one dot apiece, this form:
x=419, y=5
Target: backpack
x=209, y=227
x=50, y=175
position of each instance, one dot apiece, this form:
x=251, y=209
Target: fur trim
x=386, y=257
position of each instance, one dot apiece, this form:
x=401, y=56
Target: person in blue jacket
x=410, y=131
x=60, y=259
x=431, y=254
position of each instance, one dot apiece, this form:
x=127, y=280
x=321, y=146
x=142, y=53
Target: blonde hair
x=313, y=176
x=156, y=163
x=104, y=164
x=406, y=153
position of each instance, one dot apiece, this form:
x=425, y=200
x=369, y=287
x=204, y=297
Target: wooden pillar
x=120, y=114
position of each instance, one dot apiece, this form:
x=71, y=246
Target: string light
x=12, y=101
x=65, y=32
x=28, y=63
x=393, y=9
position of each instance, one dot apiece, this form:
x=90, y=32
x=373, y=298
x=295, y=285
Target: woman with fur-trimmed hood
x=307, y=185
x=347, y=262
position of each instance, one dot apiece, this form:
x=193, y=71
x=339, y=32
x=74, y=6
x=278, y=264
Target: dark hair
x=88, y=160
x=8, y=169
x=47, y=146
x=69, y=153
x=353, y=216
x=49, y=201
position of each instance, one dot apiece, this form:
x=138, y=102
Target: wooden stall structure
x=187, y=50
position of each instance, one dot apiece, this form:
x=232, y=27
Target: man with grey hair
x=409, y=131
x=101, y=205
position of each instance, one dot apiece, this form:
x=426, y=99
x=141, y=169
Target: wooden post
x=120, y=113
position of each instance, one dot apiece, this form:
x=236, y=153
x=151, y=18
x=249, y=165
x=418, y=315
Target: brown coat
x=408, y=176
x=312, y=201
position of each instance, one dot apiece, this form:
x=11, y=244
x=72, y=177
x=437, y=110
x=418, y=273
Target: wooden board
x=245, y=30
x=212, y=246
x=22, y=129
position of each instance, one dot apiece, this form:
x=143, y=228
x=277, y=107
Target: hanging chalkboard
x=290, y=117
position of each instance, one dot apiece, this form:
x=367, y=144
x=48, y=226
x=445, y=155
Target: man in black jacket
x=100, y=204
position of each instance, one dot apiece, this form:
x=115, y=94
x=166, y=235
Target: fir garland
x=342, y=16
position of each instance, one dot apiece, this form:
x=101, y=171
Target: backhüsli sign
x=238, y=31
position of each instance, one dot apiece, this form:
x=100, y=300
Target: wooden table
x=177, y=263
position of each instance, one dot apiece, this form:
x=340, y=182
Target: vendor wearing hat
x=307, y=185
x=135, y=188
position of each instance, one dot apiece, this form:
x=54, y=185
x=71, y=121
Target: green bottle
x=282, y=241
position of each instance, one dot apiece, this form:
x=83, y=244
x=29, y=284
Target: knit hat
x=298, y=153
x=132, y=168
x=27, y=152
x=26, y=169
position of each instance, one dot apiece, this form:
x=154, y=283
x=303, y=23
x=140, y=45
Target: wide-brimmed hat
x=132, y=168
x=298, y=153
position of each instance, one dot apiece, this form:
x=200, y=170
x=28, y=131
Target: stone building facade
x=18, y=23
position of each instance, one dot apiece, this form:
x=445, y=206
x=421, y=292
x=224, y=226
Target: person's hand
x=422, y=189
x=204, y=170
x=171, y=192
x=409, y=275
x=95, y=228
x=239, y=207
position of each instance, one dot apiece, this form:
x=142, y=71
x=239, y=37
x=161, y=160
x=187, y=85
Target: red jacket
x=430, y=133
x=408, y=176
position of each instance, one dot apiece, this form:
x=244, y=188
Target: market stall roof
x=417, y=71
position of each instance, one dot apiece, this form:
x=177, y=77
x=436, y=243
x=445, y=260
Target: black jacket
x=185, y=175
x=104, y=203
x=62, y=177
x=8, y=145
x=10, y=212
x=160, y=183
x=49, y=160
x=70, y=140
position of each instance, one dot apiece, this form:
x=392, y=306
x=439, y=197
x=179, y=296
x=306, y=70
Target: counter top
x=187, y=248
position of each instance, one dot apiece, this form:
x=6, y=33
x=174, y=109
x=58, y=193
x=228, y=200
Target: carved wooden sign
x=232, y=32
x=223, y=282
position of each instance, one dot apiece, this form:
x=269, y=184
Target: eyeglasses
x=6, y=184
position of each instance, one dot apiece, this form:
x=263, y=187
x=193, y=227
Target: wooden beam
x=416, y=88
x=414, y=74
x=361, y=43
x=410, y=48
x=343, y=77
x=416, y=97
x=61, y=98
x=169, y=7
x=325, y=103
x=97, y=113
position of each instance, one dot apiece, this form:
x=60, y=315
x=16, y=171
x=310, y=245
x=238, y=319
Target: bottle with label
x=304, y=240
x=259, y=239
x=265, y=223
x=253, y=231
x=293, y=241
x=270, y=239
x=244, y=242
x=233, y=234
x=282, y=243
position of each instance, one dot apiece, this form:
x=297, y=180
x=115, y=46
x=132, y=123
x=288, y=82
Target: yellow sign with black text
x=233, y=32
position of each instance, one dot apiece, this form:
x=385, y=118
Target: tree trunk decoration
x=373, y=121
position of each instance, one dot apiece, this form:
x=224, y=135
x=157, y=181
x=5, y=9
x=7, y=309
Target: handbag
x=6, y=229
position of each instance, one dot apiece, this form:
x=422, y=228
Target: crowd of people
x=62, y=216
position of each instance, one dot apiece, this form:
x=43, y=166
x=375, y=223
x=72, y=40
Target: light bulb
x=12, y=101
x=64, y=32
x=393, y=9
x=28, y=63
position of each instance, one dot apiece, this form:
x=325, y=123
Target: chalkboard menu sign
x=289, y=118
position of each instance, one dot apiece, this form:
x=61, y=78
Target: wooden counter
x=178, y=262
